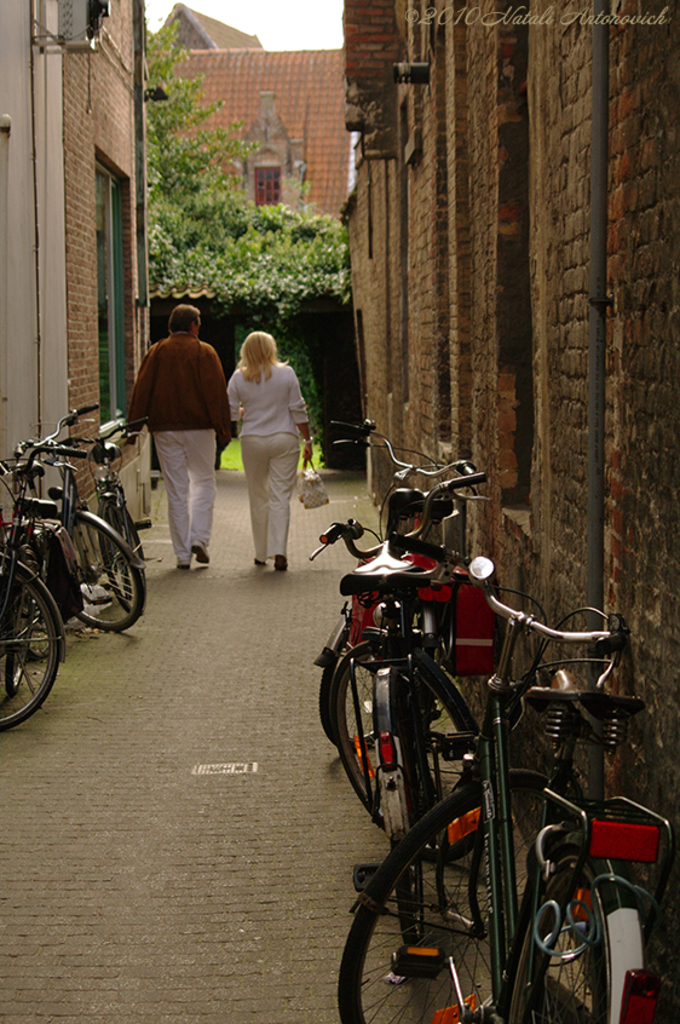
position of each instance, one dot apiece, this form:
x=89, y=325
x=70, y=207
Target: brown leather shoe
x=281, y=563
x=200, y=550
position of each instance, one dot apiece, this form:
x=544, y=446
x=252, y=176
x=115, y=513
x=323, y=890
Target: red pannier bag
x=469, y=629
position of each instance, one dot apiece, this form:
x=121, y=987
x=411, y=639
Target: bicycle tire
x=577, y=988
x=114, y=591
x=31, y=647
x=342, y=708
x=122, y=521
x=324, y=701
x=342, y=715
x=430, y=892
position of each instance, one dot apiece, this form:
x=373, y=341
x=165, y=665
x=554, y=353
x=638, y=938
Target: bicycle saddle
x=596, y=702
x=384, y=572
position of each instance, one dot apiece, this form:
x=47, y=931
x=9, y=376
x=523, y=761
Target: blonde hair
x=258, y=355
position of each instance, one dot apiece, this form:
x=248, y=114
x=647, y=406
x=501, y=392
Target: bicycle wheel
x=427, y=902
x=347, y=708
x=113, y=590
x=352, y=715
x=121, y=520
x=575, y=986
x=31, y=647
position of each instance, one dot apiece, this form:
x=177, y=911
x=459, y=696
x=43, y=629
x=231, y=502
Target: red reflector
x=640, y=993
x=387, y=755
x=621, y=840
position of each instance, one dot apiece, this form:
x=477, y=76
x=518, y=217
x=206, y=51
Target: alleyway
x=147, y=872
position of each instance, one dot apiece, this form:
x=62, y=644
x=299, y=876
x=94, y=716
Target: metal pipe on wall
x=597, y=344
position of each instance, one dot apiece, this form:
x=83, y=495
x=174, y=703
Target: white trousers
x=271, y=463
x=187, y=460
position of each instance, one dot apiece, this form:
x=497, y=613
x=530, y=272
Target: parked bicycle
x=32, y=643
x=103, y=456
x=112, y=579
x=404, y=506
x=400, y=724
x=505, y=904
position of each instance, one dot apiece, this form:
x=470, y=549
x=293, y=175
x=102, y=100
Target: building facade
x=470, y=241
x=72, y=218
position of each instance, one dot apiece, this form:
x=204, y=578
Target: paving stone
x=138, y=889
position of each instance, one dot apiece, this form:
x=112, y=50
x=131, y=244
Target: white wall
x=33, y=343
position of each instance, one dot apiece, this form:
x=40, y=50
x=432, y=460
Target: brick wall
x=99, y=128
x=471, y=113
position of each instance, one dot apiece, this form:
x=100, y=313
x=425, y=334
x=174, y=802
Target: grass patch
x=231, y=456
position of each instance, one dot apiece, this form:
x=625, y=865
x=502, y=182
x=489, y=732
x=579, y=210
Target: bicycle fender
x=89, y=517
x=453, y=699
x=622, y=922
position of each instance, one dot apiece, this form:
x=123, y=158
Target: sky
x=278, y=24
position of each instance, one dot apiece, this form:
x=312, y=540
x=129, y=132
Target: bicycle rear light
x=388, y=755
x=640, y=995
x=620, y=840
x=463, y=826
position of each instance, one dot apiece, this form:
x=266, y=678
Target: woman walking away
x=265, y=394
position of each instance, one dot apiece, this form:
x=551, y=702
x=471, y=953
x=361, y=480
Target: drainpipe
x=597, y=347
x=37, y=426
x=140, y=155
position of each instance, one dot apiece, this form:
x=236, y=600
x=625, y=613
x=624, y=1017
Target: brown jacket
x=181, y=386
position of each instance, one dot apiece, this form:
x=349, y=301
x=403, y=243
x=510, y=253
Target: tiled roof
x=310, y=100
x=215, y=34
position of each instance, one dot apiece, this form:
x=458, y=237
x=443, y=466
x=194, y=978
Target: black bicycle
x=506, y=903
x=112, y=579
x=104, y=457
x=401, y=513
x=401, y=725
x=32, y=643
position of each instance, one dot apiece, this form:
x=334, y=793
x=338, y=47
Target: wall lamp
x=155, y=95
x=412, y=74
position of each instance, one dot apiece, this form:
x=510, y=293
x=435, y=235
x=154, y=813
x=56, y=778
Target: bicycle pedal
x=143, y=524
x=362, y=875
x=418, y=961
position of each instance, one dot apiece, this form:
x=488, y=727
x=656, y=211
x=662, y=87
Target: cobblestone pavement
x=142, y=880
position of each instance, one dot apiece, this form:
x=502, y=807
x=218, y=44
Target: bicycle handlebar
x=481, y=571
x=124, y=428
x=417, y=547
x=352, y=529
x=44, y=442
x=365, y=430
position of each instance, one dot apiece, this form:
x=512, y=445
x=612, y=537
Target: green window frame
x=110, y=296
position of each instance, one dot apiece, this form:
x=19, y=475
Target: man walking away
x=181, y=388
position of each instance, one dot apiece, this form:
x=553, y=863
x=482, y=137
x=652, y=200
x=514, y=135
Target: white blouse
x=271, y=406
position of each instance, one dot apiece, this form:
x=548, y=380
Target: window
x=110, y=296
x=267, y=186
